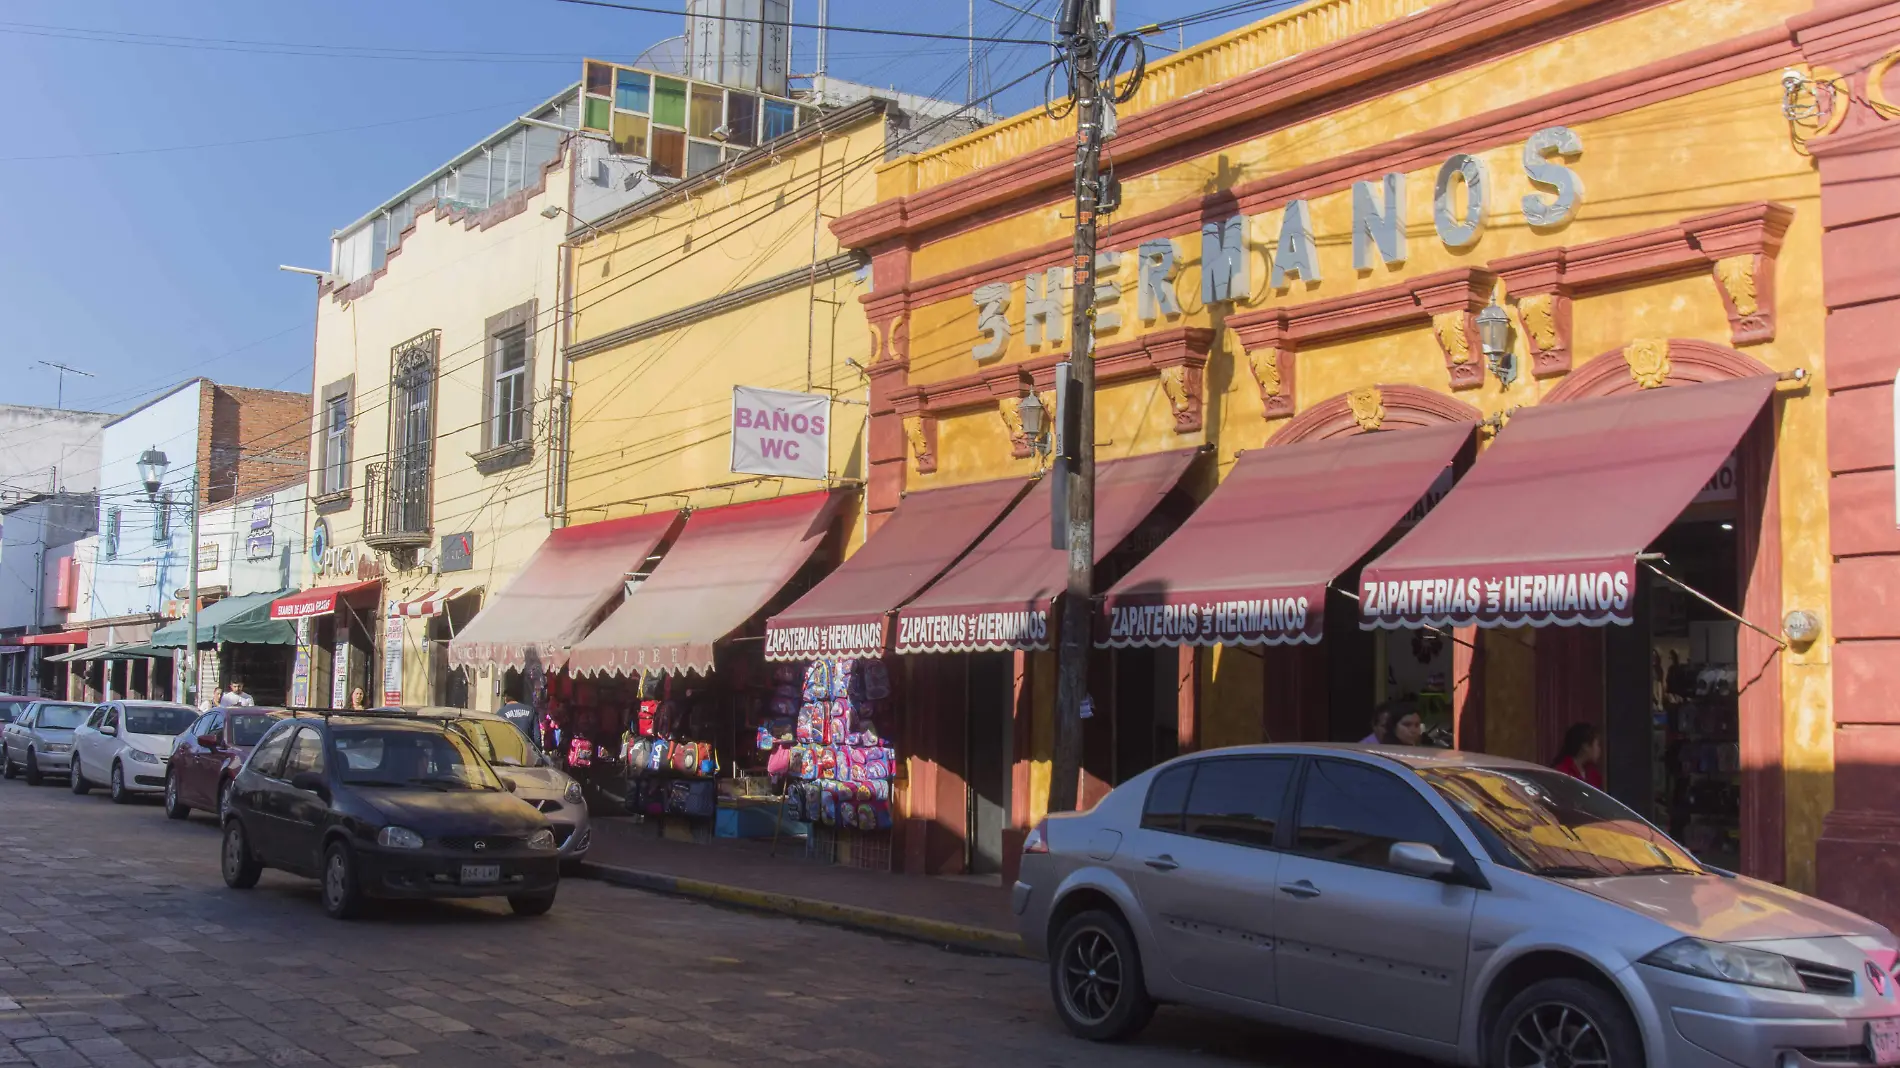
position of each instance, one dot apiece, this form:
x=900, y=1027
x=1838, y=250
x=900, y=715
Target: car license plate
x=1883, y=1036
x=481, y=873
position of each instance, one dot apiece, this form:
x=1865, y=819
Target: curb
x=915, y=928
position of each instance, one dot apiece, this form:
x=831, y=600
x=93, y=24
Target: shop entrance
x=1672, y=722
x=991, y=698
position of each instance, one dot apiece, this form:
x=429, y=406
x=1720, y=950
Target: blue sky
x=140, y=243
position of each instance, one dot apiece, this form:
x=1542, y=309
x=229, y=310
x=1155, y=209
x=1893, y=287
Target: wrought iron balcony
x=396, y=504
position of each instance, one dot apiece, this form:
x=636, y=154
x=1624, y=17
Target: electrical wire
x=809, y=25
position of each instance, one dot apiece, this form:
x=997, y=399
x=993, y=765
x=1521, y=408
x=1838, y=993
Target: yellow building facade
x=1639, y=187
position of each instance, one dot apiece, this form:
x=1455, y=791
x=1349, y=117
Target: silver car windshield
x=1546, y=822
x=61, y=717
x=501, y=743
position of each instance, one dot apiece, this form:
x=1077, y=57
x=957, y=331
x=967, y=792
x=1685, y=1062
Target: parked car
x=127, y=743
x=537, y=780
x=385, y=807
x=39, y=741
x=206, y=756
x=1457, y=906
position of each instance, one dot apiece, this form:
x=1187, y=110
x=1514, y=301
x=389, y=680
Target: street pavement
x=121, y=948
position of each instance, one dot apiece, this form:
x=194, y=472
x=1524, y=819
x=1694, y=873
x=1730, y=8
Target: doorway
x=990, y=699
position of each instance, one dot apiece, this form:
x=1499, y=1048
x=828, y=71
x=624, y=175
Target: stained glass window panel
x=669, y=102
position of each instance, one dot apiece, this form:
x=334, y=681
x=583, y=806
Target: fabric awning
x=67, y=637
x=999, y=595
x=135, y=651
x=73, y=656
x=848, y=614
x=571, y=579
x=1545, y=527
x=320, y=601
x=726, y=565
x=244, y=620
x=1252, y=564
x=429, y=604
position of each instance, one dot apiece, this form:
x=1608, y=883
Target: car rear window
x=249, y=730
x=157, y=719
x=1167, y=799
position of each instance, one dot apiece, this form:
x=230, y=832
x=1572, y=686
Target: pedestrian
x=1581, y=755
x=358, y=701
x=515, y=712
x=1395, y=723
x=236, y=697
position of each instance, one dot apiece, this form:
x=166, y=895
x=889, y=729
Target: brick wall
x=258, y=438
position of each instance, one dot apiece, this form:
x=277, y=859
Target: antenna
x=60, y=394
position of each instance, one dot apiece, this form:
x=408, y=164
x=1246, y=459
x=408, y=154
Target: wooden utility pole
x=1075, y=409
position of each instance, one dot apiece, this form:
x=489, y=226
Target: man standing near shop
x=517, y=713
x=237, y=697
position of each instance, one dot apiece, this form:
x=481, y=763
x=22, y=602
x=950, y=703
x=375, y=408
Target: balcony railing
x=396, y=505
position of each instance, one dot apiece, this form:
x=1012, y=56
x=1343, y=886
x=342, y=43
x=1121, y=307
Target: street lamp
x=152, y=466
x=1034, y=416
x=1494, y=337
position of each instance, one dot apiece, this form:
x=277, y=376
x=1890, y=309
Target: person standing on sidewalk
x=517, y=713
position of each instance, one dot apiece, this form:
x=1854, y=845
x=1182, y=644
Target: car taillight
x=1038, y=840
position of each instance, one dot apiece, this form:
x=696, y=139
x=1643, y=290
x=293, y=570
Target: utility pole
x=1075, y=465
x=191, y=604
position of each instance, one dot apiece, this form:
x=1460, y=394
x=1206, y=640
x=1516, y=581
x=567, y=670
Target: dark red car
x=208, y=755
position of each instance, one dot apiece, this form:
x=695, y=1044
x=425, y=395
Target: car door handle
x=1163, y=862
x=1301, y=889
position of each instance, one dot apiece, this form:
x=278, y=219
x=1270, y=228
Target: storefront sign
x=1461, y=201
x=855, y=639
x=148, y=573
x=1721, y=485
x=775, y=432
x=300, y=671
x=340, y=666
x=207, y=556
x=965, y=631
x=1255, y=621
x=1502, y=596
x=392, y=660
x=458, y=552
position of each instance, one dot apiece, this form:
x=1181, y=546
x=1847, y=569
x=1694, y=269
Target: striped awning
x=429, y=604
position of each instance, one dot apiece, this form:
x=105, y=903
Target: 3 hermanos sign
x=776, y=432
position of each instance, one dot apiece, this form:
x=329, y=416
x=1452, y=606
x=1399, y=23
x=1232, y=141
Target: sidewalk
x=969, y=914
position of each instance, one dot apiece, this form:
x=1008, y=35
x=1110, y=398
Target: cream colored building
x=436, y=384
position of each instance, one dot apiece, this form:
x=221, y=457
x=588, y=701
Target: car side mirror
x=210, y=741
x=508, y=784
x=311, y=781
x=109, y=731
x=1417, y=858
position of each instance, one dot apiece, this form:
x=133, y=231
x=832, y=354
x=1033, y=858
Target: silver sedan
x=1461, y=907
x=39, y=741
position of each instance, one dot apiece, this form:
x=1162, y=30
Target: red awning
x=999, y=595
x=1545, y=527
x=1251, y=565
x=848, y=614
x=320, y=601
x=726, y=565
x=70, y=637
x=567, y=583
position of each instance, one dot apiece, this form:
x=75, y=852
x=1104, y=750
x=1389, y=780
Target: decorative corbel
x=1741, y=244
x=920, y=431
x=1271, y=356
x=1534, y=282
x=1453, y=304
x=1181, y=383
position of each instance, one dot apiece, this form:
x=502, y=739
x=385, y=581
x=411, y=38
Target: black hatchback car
x=384, y=807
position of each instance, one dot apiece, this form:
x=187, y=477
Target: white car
x=123, y=746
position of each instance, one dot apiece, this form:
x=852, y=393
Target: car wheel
x=174, y=807
x=1565, y=1021
x=531, y=904
x=239, y=864
x=342, y=897
x=33, y=776
x=6, y=764
x=77, y=780
x=120, y=795
x=1095, y=973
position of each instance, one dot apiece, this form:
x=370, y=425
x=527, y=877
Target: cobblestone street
x=120, y=948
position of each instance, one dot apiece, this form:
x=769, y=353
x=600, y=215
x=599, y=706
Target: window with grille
x=113, y=519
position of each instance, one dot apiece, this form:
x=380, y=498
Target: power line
x=959, y=37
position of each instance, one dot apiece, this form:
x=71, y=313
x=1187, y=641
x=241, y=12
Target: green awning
x=139, y=651
x=243, y=620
